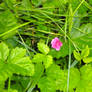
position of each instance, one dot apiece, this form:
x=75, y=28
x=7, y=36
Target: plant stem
x=69, y=66
x=23, y=43
x=13, y=29
x=70, y=28
x=9, y=83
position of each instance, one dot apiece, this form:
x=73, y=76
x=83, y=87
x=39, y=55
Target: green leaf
x=77, y=55
x=90, y=2
x=4, y=51
x=43, y=48
x=16, y=54
x=36, y=2
x=54, y=72
x=85, y=83
x=17, y=86
x=7, y=22
x=39, y=70
x=10, y=4
x=84, y=37
x=38, y=58
x=82, y=9
x=57, y=79
x=10, y=90
x=17, y=57
x=46, y=59
x=85, y=52
x=74, y=79
x=76, y=24
x=27, y=4
x=87, y=60
x=1, y=85
x=46, y=85
x=15, y=62
x=57, y=76
x=5, y=71
x=11, y=42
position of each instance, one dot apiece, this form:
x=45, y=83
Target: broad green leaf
x=5, y=71
x=54, y=72
x=17, y=57
x=39, y=70
x=11, y=42
x=85, y=83
x=8, y=69
x=74, y=79
x=60, y=77
x=46, y=85
x=16, y=54
x=48, y=60
x=81, y=42
x=38, y=58
x=43, y=48
x=87, y=60
x=36, y=2
x=84, y=38
x=16, y=63
x=80, y=31
x=77, y=55
x=85, y=52
x=76, y=24
x=25, y=63
x=57, y=76
x=27, y=4
x=1, y=85
x=4, y=51
x=7, y=22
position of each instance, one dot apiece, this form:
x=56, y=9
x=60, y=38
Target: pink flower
x=56, y=43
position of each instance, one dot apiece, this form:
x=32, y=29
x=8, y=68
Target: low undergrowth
x=45, y=45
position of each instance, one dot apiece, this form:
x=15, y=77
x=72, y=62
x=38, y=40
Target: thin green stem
x=24, y=43
x=78, y=7
x=88, y=5
x=65, y=29
x=13, y=29
x=69, y=66
x=45, y=32
x=9, y=84
x=70, y=28
x=37, y=10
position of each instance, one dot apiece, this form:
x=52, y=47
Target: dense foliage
x=28, y=61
